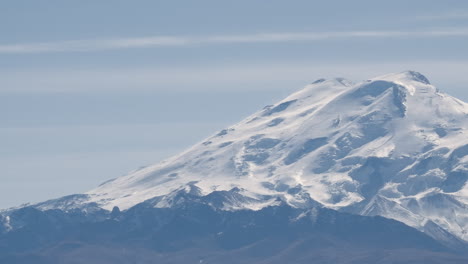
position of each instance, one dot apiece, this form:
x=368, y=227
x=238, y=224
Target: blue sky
x=90, y=90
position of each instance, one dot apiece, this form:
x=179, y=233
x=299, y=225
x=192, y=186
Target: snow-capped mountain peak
x=392, y=145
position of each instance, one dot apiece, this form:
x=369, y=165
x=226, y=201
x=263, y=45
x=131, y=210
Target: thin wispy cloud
x=453, y=15
x=173, y=41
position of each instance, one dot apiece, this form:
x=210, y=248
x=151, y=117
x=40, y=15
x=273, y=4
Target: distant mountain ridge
x=194, y=232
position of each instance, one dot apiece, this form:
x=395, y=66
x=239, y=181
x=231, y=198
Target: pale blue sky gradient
x=90, y=90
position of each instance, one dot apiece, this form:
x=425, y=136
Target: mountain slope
x=392, y=146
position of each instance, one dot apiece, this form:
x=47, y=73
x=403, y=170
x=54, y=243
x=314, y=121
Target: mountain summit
x=392, y=146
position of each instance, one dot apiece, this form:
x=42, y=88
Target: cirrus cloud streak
x=90, y=45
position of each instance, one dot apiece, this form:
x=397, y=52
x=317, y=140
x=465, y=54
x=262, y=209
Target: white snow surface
x=393, y=146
